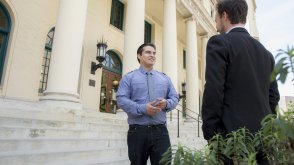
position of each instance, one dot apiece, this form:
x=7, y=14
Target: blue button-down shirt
x=132, y=96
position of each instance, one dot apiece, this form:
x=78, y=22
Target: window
x=4, y=35
x=184, y=59
x=112, y=62
x=46, y=61
x=117, y=14
x=147, y=34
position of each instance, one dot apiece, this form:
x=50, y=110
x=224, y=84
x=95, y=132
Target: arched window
x=112, y=62
x=5, y=25
x=46, y=61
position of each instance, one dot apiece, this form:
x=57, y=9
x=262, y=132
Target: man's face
x=147, y=58
x=220, y=27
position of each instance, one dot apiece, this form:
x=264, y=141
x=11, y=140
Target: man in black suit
x=238, y=92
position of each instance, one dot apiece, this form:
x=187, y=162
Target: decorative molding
x=194, y=9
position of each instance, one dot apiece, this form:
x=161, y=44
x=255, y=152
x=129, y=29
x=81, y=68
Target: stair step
x=76, y=138
x=23, y=132
x=99, y=125
x=60, y=157
x=103, y=161
x=14, y=145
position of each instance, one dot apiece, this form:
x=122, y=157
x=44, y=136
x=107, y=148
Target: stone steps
x=23, y=132
x=74, y=139
x=16, y=145
x=108, y=161
x=66, y=156
x=5, y=121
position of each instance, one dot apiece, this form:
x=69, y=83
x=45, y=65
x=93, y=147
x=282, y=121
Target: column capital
x=206, y=35
x=191, y=18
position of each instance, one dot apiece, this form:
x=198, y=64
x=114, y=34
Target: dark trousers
x=145, y=141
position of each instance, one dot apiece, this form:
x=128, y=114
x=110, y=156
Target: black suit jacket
x=238, y=92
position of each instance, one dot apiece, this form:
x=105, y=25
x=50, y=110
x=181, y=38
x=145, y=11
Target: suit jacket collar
x=239, y=29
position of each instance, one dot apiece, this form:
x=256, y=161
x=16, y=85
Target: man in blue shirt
x=146, y=95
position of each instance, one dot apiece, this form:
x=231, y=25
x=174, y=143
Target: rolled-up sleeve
x=124, y=99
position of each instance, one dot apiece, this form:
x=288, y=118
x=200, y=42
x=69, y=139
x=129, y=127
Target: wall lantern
x=100, y=57
x=183, y=88
x=183, y=97
x=115, y=84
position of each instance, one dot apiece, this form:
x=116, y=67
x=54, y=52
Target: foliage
x=239, y=145
x=275, y=140
x=284, y=65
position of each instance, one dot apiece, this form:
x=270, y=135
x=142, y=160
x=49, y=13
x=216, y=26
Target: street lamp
x=115, y=84
x=100, y=56
x=183, y=97
x=184, y=88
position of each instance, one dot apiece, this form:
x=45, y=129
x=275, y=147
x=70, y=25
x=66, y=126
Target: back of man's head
x=235, y=9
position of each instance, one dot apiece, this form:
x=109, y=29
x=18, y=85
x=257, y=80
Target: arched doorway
x=5, y=24
x=111, y=75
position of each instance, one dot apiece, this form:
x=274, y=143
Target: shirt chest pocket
x=161, y=89
x=139, y=91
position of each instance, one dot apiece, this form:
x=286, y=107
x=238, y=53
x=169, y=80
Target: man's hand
x=161, y=103
x=151, y=109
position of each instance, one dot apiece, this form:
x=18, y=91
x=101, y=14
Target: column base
x=61, y=106
x=61, y=96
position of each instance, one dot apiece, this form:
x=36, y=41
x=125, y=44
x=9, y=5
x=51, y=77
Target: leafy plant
x=213, y=153
x=239, y=145
x=275, y=140
x=285, y=64
x=183, y=156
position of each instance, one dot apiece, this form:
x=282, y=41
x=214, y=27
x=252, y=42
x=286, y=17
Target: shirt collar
x=142, y=70
x=237, y=26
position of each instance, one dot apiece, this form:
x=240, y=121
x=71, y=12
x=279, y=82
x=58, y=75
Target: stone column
x=170, y=52
x=204, y=44
x=134, y=33
x=65, y=62
x=192, y=85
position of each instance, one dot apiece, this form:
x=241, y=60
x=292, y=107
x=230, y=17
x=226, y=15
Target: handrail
x=190, y=110
x=191, y=116
x=198, y=119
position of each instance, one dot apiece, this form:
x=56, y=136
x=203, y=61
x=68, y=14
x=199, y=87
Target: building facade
x=48, y=47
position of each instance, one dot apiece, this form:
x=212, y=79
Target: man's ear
x=138, y=57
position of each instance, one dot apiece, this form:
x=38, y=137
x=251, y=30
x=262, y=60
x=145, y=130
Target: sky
x=275, y=24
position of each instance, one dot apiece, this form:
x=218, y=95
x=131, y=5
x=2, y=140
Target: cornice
x=193, y=9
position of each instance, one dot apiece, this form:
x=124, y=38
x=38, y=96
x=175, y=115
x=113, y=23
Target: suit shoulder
x=218, y=38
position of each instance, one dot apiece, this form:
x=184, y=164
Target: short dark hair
x=236, y=10
x=141, y=49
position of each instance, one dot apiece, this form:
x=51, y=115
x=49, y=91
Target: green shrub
x=275, y=139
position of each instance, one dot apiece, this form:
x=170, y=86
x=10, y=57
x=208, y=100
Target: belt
x=146, y=126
